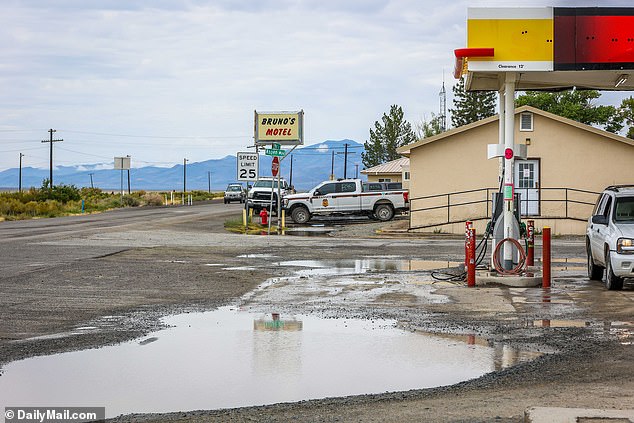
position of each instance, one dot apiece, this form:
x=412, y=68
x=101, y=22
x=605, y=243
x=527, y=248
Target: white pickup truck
x=348, y=196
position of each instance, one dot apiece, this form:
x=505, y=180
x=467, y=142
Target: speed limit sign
x=247, y=166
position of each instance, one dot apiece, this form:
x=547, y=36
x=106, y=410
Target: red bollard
x=530, y=237
x=264, y=217
x=546, y=257
x=467, y=225
x=471, y=265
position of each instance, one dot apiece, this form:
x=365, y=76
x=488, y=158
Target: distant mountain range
x=311, y=165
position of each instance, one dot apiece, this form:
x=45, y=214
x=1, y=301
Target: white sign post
x=248, y=170
x=248, y=166
x=122, y=163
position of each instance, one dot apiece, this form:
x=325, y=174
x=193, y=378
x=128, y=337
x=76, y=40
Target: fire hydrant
x=264, y=217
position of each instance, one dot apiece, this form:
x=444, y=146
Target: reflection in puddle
x=340, y=267
x=549, y=323
x=623, y=331
x=230, y=358
x=239, y=268
x=263, y=255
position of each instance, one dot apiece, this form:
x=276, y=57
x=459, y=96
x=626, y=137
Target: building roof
x=395, y=166
x=405, y=150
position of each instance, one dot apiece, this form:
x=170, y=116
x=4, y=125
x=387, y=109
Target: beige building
x=567, y=165
x=394, y=171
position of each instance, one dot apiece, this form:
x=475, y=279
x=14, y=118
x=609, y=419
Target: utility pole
x=91, y=184
x=209, y=180
x=290, y=182
x=345, y=161
x=332, y=166
x=51, y=140
x=184, y=176
x=20, y=175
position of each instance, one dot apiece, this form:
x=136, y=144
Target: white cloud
x=182, y=78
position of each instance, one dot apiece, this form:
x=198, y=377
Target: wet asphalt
x=121, y=274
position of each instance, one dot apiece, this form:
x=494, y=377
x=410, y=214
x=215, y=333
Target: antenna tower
x=443, y=105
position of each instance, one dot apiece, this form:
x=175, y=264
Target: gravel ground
x=141, y=275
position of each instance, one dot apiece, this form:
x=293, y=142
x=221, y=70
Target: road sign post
x=247, y=170
x=275, y=152
x=275, y=165
x=275, y=169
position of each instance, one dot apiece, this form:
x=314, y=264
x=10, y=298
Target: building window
x=385, y=179
x=406, y=176
x=526, y=122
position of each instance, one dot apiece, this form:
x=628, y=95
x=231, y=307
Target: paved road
x=25, y=244
x=60, y=226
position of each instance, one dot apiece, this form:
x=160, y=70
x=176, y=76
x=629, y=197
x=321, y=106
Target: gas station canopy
x=549, y=48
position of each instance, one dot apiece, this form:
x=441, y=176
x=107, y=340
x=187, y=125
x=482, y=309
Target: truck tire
x=595, y=272
x=384, y=212
x=300, y=215
x=612, y=282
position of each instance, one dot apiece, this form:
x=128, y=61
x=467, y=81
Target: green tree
x=626, y=113
x=62, y=193
x=576, y=105
x=428, y=128
x=471, y=106
x=391, y=133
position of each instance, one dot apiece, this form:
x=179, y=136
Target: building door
x=527, y=185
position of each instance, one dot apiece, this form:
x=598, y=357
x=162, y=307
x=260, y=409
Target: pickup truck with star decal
x=347, y=196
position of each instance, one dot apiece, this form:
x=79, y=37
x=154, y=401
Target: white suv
x=610, y=237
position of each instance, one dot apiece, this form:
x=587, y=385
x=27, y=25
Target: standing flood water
x=231, y=358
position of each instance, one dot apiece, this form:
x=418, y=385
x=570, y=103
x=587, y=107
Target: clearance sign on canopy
x=285, y=128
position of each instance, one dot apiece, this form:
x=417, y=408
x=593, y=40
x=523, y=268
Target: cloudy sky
x=164, y=80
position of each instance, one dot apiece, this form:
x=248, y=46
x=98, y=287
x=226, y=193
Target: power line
x=21, y=149
x=154, y=136
x=85, y=154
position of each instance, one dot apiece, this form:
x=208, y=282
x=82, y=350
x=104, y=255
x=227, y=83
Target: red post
x=530, y=236
x=467, y=225
x=471, y=265
x=546, y=257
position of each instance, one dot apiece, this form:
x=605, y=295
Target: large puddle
x=233, y=358
x=365, y=265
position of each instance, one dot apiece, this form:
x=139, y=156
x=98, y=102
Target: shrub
x=49, y=208
x=61, y=193
x=130, y=201
x=153, y=199
x=30, y=209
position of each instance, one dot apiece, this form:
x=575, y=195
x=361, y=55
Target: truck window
x=624, y=210
x=327, y=189
x=348, y=187
x=263, y=183
x=374, y=187
x=599, y=205
x=606, y=209
x=394, y=185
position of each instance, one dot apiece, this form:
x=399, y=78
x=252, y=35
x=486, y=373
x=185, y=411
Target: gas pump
x=497, y=222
